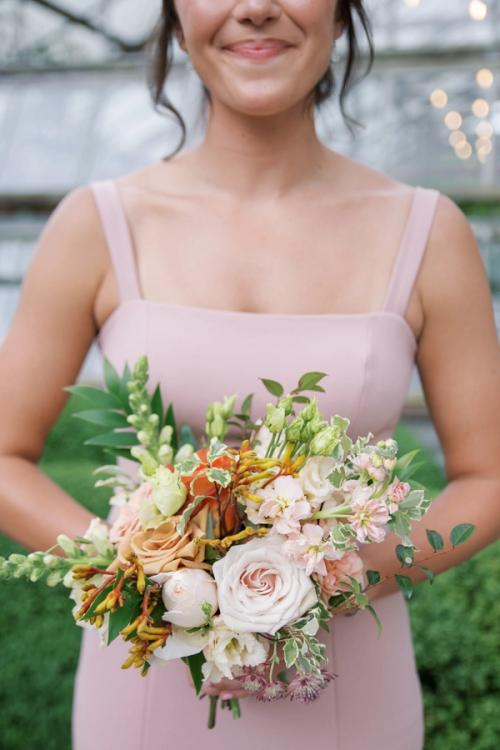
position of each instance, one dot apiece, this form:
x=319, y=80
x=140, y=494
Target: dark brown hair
x=161, y=56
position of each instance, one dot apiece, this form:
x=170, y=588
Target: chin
x=263, y=104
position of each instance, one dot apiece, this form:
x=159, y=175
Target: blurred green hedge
x=454, y=623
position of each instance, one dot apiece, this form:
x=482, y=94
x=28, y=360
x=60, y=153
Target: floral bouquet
x=232, y=557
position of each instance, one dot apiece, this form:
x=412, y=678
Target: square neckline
x=135, y=291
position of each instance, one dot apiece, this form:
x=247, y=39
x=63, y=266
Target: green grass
x=454, y=623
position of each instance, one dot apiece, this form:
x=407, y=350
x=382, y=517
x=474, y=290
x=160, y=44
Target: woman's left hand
x=225, y=689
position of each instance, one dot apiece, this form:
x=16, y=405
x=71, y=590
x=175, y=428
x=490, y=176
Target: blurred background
x=74, y=107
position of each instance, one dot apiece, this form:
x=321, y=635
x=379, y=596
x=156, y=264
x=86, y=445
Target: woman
x=261, y=253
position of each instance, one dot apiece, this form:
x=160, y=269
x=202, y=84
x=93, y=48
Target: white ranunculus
x=314, y=479
x=260, y=589
x=183, y=593
x=226, y=652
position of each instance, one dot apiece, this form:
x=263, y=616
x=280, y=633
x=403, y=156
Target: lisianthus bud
x=310, y=410
x=228, y=406
x=189, y=596
x=294, y=430
x=286, y=403
x=217, y=427
x=311, y=428
x=169, y=493
x=184, y=452
x=324, y=442
x=275, y=419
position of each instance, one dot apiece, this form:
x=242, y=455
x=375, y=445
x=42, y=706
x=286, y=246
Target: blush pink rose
x=337, y=571
x=127, y=521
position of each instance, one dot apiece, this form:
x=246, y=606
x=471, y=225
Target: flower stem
x=212, y=711
x=235, y=708
x=339, y=510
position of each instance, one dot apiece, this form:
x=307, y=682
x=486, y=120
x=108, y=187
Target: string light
x=484, y=129
x=480, y=108
x=485, y=78
x=478, y=10
x=453, y=120
x=439, y=98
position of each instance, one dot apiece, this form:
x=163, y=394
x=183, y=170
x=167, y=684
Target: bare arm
x=50, y=335
x=459, y=365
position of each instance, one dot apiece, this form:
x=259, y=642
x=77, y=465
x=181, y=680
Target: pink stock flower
x=396, y=492
x=309, y=549
x=284, y=505
x=337, y=572
x=369, y=515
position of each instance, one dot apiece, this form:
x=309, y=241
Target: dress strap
x=411, y=250
x=118, y=236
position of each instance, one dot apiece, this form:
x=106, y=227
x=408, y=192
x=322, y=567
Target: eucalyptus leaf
x=435, y=539
x=274, y=388
x=406, y=585
x=247, y=404
x=459, y=534
x=309, y=380
x=405, y=555
x=373, y=577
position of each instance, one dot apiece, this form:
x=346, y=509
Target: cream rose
x=260, y=590
x=184, y=592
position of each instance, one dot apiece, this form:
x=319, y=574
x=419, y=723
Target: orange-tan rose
x=338, y=571
x=163, y=550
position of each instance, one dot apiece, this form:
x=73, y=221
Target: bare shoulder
x=452, y=265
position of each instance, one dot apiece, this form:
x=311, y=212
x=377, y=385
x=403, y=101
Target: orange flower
x=202, y=485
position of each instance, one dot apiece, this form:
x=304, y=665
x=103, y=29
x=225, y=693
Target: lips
x=271, y=44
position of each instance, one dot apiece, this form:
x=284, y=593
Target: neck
x=268, y=156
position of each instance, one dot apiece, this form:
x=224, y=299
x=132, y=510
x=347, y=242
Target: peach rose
x=350, y=564
x=126, y=524
x=163, y=550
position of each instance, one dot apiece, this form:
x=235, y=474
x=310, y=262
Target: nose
x=257, y=11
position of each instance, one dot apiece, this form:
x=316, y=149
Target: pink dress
x=375, y=702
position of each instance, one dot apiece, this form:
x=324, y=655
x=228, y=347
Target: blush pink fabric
x=199, y=355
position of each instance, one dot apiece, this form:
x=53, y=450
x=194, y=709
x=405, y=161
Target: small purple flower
x=272, y=691
x=253, y=683
x=305, y=688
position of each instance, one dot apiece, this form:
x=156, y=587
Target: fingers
x=225, y=689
